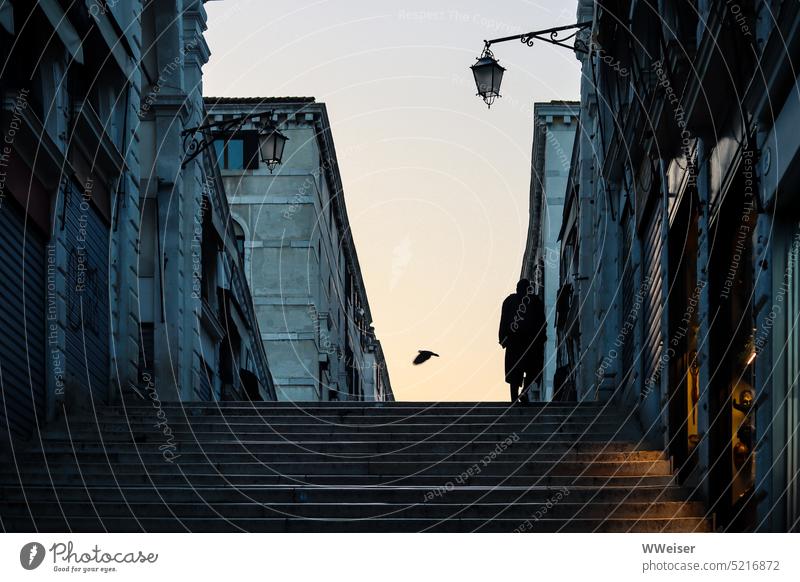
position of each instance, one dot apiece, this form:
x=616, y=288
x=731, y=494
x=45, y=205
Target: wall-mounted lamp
x=489, y=74
x=271, y=141
x=745, y=402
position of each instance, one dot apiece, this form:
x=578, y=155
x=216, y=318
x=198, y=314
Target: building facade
x=196, y=313
x=300, y=258
x=120, y=279
x=679, y=243
x=553, y=136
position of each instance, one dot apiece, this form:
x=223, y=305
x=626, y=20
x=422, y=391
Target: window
x=230, y=153
x=238, y=151
x=238, y=236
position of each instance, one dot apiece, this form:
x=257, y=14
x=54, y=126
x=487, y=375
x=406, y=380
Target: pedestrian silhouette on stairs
x=522, y=334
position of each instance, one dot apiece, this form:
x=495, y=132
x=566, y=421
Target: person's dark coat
x=522, y=333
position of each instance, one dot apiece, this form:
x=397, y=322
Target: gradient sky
x=436, y=185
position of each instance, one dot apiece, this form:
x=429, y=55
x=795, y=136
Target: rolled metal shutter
x=22, y=320
x=205, y=391
x=629, y=310
x=146, y=354
x=88, y=333
x=652, y=286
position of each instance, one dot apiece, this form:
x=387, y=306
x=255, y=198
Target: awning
x=61, y=24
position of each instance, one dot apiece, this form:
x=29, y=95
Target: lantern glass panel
x=272, y=143
x=488, y=75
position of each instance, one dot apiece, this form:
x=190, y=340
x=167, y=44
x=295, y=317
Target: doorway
x=683, y=298
x=731, y=411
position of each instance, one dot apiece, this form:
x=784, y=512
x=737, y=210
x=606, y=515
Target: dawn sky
x=436, y=185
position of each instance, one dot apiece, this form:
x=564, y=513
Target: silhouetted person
x=522, y=334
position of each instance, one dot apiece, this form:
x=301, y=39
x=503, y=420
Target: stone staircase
x=369, y=467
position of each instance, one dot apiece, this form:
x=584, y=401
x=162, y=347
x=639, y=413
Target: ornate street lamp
x=489, y=74
x=271, y=141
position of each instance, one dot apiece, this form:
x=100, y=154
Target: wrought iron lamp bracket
x=198, y=139
x=549, y=35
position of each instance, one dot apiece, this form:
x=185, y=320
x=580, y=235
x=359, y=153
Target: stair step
x=279, y=467
x=380, y=468
x=303, y=425
x=342, y=494
x=305, y=455
x=370, y=406
x=280, y=524
x=393, y=446
x=234, y=510
x=433, y=481
x=204, y=425
x=121, y=437
x=333, y=414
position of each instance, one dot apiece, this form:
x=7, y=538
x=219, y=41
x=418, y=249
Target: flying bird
x=424, y=356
